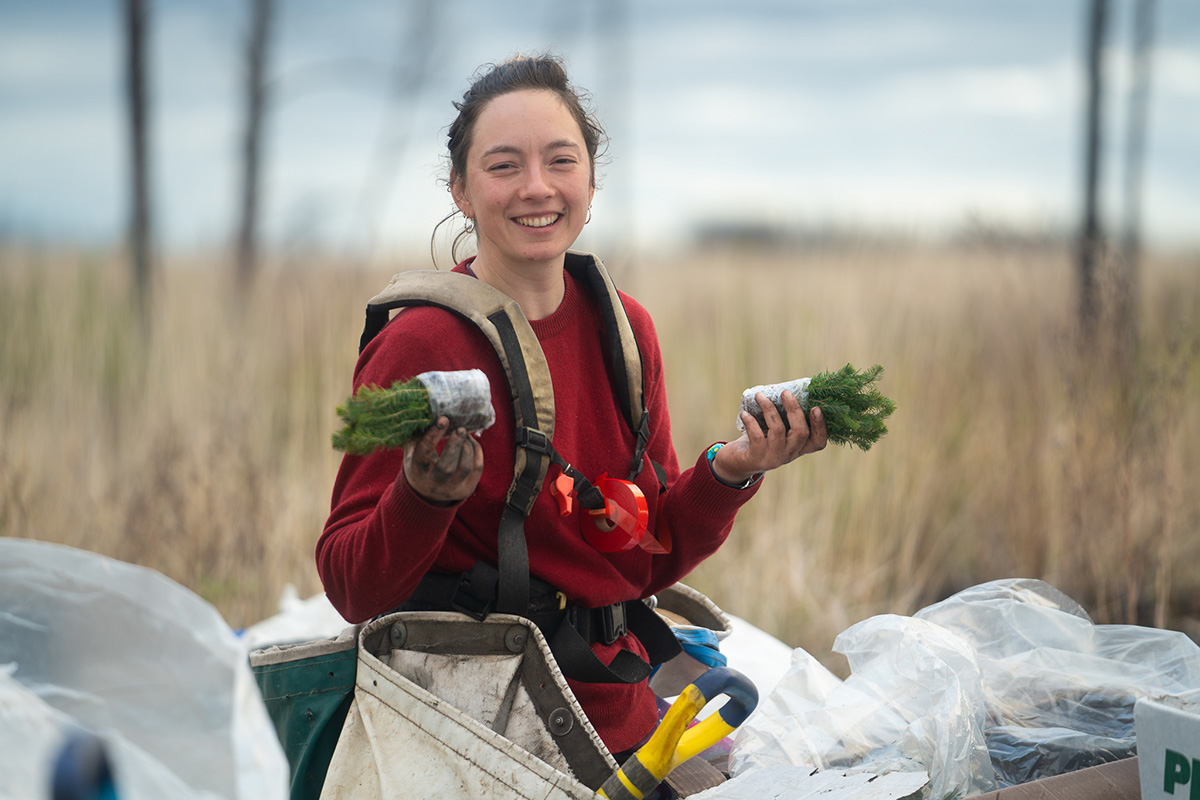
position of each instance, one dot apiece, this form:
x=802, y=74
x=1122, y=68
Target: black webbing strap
x=377, y=318
x=512, y=551
x=653, y=632
x=639, y=449
x=612, y=330
x=578, y=661
x=569, y=630
x=569, y=643
x=585, y=491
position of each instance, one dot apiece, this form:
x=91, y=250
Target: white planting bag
x=448, y=707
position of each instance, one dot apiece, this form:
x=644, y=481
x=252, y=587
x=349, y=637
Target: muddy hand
x=448, y=476
x=758, y=451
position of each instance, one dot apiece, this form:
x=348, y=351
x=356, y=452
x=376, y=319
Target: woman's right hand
x=447, y=477
x=756, y=452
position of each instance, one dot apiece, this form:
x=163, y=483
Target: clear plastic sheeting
x=297, y=621
x=912, y=703
x=1060, y=690
x=88, y=643
x=1001, y=684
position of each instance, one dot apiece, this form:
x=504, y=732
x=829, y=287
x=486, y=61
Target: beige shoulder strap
x=503, y=324
x=623, y=346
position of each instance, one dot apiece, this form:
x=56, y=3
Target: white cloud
x=1177, y=72
x=1011, y=91
x=726, y=108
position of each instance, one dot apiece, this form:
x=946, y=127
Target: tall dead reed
x=198, y=446
x=1017, y=449
x=203, y=448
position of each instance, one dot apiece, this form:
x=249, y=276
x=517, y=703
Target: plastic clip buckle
x=467, y=603
x=612, y=622
x=533, y=439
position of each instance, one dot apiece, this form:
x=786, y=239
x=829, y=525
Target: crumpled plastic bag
x=1059, y=689
x=88, y=643
x=911, y=703
x=1003, y=683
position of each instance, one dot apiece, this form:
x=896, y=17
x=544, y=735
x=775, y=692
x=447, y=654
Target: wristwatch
x=746, y=484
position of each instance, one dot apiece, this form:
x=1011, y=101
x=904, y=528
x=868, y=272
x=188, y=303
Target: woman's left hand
x=758, y=451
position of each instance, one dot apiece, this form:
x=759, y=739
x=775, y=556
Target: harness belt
x=569, y=628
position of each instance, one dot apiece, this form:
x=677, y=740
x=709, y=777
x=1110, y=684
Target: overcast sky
x=917, y=115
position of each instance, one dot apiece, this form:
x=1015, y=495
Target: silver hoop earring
x=469, y=227
x=589, y=219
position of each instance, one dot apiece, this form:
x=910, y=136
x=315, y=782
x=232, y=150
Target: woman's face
x=528, y=179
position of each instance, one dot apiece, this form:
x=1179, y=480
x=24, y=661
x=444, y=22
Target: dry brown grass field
x=202, y=450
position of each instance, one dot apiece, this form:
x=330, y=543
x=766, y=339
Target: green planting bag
x=308, y=689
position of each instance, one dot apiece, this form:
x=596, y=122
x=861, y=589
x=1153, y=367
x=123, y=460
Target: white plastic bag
x=913, y=702
x=1060, y=690
x=1003, y=683
x=153, y=670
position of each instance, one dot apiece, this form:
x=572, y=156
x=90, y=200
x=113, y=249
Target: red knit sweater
x=381, y=537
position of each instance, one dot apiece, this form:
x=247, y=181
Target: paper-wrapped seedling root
x=853, y=408
x=463, y=396
x=376, y=418
x=774, y=393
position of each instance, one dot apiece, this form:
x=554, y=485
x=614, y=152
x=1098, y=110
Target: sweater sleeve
x=381, y=537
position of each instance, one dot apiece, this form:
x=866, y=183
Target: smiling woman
x=527, y=187
x=423, y=528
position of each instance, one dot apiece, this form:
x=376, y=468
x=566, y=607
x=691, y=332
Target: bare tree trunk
x=256, y=57
x=616, y=31
x=139, y=230
x=1091, y=235
x=1126, y=299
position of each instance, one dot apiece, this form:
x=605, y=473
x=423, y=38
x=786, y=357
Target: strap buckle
x=467, y=601
x=612, y=622
x=533, y=439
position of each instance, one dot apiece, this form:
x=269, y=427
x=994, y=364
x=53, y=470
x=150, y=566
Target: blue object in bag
x=701, y=644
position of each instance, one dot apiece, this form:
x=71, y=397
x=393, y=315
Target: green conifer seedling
x=853, y=407
x=376, y=418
